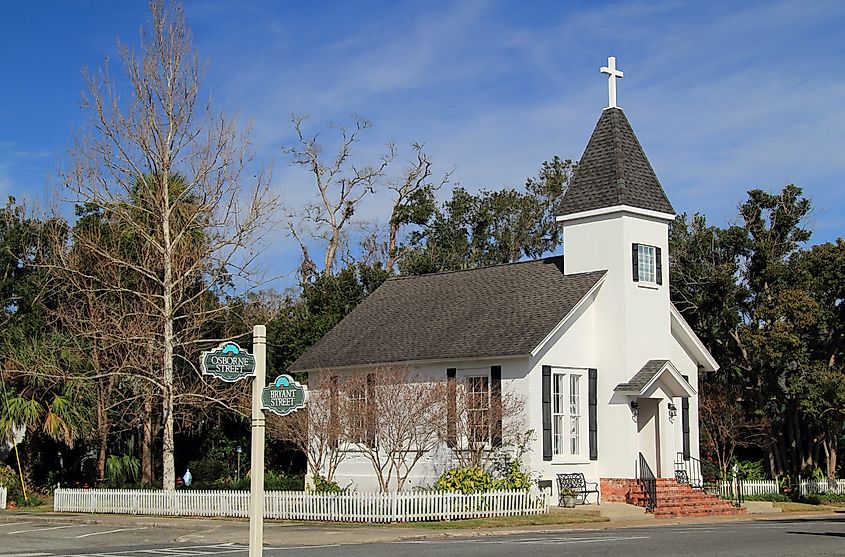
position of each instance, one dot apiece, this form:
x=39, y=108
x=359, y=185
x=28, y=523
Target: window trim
x=648, y=265
x=464, y=376
x=359, y=397
x=560, y=406
x=484, y=410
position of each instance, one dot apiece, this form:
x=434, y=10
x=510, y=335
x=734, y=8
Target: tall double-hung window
x=478, y=409
x=568, y=404
x=356, y=401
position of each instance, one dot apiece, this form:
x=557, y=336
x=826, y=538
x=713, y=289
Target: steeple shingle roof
x=613, y=171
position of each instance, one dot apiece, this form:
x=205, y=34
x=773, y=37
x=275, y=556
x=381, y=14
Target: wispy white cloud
x=724, y=96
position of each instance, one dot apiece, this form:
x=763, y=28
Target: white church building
x=608, y=368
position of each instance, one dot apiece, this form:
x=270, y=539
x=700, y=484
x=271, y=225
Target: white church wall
x=356, y=470
x=572, y=347
x=687, y=366
x=632, y=321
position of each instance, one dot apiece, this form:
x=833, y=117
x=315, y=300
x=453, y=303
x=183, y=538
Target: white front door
x=648, y=431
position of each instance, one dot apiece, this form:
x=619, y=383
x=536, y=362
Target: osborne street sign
x=228, y=362
x=284, y=396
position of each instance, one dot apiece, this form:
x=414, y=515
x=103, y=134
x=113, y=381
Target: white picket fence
x=3, y=495
x=412, y=506
x=808, y=487
x=805, y=487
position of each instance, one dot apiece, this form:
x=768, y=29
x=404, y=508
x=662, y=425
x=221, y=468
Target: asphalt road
x=796, y=536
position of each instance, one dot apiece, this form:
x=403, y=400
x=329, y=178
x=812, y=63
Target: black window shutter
x=685, y=423
x=496, y=405
x=547, y=412
x=592, y=399
x=334, y=419
x=371, y=410
x=659, y=263
x=451, y=407
x=635, y=261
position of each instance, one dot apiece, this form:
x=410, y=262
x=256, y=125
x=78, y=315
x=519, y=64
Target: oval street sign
x=284, y=396
x=228, y=362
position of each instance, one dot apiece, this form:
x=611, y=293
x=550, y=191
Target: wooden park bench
x=578, y=485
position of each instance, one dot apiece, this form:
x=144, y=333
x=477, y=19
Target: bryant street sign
x=284, y=396
x=228, y=362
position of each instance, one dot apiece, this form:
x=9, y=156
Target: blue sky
x=724, y=96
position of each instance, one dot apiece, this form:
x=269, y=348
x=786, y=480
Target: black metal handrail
x=691, y=468
x=737, y=488
x=649, y=484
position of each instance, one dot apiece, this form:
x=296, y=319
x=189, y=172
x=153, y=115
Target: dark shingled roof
x=642, y=377
x=497, y=311
x=614, y=171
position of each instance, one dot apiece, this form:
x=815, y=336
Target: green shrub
x=31, y=500
x=752, y=470
x=211, y=471
x=273, y=481
x=122, y=471
x=827, y=498
x=817, y=474
x=322, y=485
x=11, y=481
x=465, y=480
x=514, y=478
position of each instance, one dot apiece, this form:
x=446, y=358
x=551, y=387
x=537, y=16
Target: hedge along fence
x=412, y=506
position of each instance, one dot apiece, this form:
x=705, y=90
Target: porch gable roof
x=652, y=372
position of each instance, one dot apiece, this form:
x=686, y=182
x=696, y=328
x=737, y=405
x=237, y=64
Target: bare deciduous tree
x=392, y=416
x=479, y=422
x=318, y=429
x=341, y=186
x=167, y=174
x=413, y=201
x=725, y=427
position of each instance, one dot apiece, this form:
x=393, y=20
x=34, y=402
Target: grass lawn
x=792, y=507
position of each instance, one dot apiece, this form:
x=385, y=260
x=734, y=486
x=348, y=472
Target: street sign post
x=231, y=363
x=256, y=484
x=228, y=362
x=284, y=396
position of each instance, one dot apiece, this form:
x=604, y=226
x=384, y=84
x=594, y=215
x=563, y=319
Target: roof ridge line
x=483, y=267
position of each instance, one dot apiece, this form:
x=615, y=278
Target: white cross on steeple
x=612, y=74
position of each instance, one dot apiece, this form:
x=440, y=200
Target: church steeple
x=614, y=171
x=615, y=217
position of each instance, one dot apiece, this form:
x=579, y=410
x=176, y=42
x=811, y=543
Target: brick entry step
x=673, y=499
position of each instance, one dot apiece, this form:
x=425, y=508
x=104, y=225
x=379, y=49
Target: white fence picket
x=758, y=487
x=810, y=487
x=3, y=495
x=806, y=487
x=293, y=505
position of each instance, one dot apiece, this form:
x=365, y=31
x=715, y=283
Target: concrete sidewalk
x=205, y=530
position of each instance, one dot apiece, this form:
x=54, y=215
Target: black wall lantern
x=673, y=411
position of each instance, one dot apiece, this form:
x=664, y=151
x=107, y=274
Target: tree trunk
x=392, y=254
x=168, y=465
x=147, y=443
x=103, y=438
x=168, y=253
x=331, y=251
x=831, y=445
